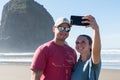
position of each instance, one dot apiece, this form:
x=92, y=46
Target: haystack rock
x=25, y=25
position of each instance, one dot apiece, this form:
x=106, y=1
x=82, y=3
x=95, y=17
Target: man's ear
x=53, y=29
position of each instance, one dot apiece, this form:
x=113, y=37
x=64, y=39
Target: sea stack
x=25, y=25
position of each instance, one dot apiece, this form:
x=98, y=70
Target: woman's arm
x=96, y=46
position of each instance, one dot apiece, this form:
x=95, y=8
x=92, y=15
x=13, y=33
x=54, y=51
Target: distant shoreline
x=110, y=58
x=28, y=63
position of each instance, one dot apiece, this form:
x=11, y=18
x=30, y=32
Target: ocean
x=110, y=58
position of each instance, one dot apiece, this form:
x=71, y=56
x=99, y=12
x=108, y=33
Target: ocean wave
x=110, y=51
x=17, y=54
x=111, y=61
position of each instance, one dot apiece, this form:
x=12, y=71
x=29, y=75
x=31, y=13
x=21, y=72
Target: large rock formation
x=25, y=25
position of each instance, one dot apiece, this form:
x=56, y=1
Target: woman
x=89, y=64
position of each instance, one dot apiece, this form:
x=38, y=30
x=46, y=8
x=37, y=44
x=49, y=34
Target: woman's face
x=82, y=45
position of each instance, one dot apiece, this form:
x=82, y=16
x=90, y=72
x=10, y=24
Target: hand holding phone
x=77, y=20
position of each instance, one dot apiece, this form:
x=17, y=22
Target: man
x=54, y=60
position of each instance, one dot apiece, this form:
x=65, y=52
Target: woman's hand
x=92, y=22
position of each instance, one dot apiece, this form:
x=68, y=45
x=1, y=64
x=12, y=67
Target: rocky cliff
x=25, y=25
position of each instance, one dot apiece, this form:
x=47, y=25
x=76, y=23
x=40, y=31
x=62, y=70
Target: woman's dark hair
x=89, y=39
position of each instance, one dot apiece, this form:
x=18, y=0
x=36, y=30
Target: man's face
x=62, y=31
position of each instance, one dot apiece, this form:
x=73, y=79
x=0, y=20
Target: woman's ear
x=91, y=48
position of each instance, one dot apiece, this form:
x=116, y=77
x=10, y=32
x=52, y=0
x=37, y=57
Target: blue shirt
x=86, y=70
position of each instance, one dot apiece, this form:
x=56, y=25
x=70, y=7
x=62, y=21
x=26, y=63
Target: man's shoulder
x=45, y=45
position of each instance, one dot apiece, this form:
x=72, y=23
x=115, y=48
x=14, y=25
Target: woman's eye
x=83, y=41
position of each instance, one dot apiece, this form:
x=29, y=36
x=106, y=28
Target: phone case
x=76, y=20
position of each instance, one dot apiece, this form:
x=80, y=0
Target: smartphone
x=76, y=20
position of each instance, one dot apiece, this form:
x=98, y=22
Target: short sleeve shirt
x=86, y=70
x=55, y=61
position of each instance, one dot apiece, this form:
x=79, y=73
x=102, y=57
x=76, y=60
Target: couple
x=55, y=60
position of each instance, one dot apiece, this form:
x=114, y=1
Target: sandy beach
x=22, y=72
x=14, y=72
x=109, y=74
